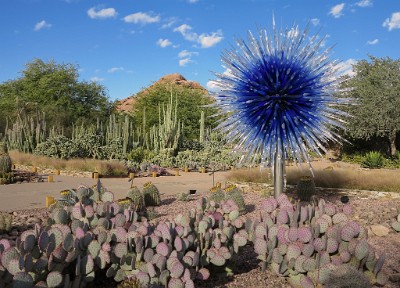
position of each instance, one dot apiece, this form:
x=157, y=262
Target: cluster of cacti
x=86, y=195
x=26, y=132
x=151, y=194
x=308, y=244
x=92, y=236
x=230, y=192
x=305, y=188
x=396, y=224
x=5, y=222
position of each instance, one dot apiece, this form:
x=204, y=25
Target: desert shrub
x=356, y=158
x=57, y=146
x=373, y=160
x=140, y=154
x=111, y=168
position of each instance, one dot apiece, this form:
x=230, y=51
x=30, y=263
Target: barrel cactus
x=5, y=160
x=217, y=194
x=305, y=188
x=234, y=193
x=151, y=194
x=137, y=198
x=5, y=222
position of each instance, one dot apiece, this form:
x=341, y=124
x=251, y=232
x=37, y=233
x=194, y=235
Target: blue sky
x=125, y=45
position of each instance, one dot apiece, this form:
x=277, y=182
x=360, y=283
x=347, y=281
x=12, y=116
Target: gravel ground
x=370, y=208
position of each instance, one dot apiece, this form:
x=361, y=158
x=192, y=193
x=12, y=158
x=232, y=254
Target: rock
x=395, y=277
x=15, y=213
x=379, y=230
x=33, y=220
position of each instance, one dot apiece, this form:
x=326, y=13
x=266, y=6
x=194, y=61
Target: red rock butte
x=126, y=104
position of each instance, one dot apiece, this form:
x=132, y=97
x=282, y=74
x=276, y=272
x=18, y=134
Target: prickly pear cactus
x=5, y=222
x=313, y=245
x=151, y=195
x=305, y=188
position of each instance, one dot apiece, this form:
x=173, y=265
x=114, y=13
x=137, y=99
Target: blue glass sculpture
x=279, y=97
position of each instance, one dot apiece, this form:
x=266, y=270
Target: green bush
x=353, y=158
x=373, y=160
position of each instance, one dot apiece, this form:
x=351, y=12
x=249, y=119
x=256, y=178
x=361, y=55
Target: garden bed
x=372, y=209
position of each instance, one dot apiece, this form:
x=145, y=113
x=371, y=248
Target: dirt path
x=32, y=195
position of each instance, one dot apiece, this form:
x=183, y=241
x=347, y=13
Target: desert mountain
x=126, y=104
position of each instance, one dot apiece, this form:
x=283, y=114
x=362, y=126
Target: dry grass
x=350, y=178
x=105, y=168
x=250, y=175
x=329, y=177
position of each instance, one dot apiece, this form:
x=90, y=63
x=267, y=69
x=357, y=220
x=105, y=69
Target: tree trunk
x=392, y=140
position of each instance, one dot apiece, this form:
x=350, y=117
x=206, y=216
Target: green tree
x=376, y=90
x=190, y=104
x=56, y=90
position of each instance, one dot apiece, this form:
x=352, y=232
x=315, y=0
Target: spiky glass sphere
x=278, y=94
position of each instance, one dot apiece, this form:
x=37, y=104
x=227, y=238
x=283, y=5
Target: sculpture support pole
x=279, y=165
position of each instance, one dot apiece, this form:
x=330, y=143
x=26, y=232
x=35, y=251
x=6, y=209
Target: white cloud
x=204, y=39
x=186, y=57
x=42, y=25
x=163, y=43
x=346, y=68
x=184, y=61
x=364, y=3
x=315, y=21
x=209, y=40
x=186, y=53
x=96, y=79
x=213, y=86
x=142, y=18
x=193, y=1
x=102, y=13
x=169, y=23
x=336, y=11
x=393, y=22
x=373, y=42
x=115, y=69
x=185, y=30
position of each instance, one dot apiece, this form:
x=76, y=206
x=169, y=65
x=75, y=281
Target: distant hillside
x=127, y=104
